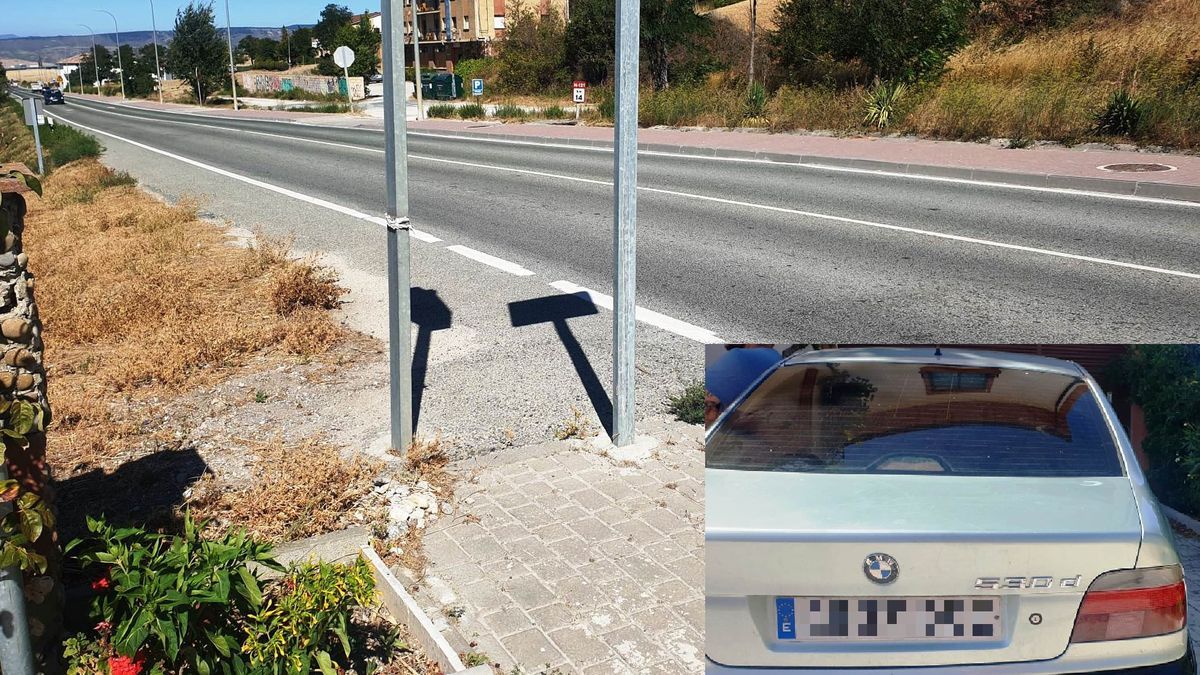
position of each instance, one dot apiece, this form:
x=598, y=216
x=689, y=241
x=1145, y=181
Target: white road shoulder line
x=498, y=263
x=644, y=315
x=315, y=201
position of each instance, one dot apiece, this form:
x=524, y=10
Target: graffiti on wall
x=317, y=84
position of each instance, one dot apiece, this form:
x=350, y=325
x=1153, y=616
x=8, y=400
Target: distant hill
x=53, y=48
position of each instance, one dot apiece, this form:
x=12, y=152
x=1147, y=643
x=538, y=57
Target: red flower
x=123, y=665
x=102, y=584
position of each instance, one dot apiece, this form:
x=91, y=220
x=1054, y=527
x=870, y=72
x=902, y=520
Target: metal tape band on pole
x=397, y=224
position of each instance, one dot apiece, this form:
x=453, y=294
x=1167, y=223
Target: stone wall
x=23, y=376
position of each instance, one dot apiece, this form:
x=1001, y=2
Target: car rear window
x=881, y=417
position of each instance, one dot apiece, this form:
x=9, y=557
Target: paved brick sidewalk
x=572, y=560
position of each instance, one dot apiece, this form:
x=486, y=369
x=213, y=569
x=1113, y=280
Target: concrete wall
x=266, y=82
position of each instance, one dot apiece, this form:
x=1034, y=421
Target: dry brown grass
x=16, y=143
x=304, y=285
x=141, y=299
x=1049, y=85
x=296, y=491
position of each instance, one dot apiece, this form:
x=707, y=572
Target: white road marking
x=755, y=205
x=646, y=316
x=682, y=328
x=498, y=263
x=315, y=201
x=747, y=160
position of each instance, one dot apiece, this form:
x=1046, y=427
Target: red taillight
x=1132, y=603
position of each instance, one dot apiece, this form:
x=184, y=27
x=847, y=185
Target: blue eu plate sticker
x=785, y=618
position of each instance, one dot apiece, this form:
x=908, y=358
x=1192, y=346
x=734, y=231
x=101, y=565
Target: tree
x=333, y=18
x=302, y=51
x=283, y=50
x=886, y=39
x=533, y=51
x=101, y=67
x=197, y=53
x=3, y=76
x=667, y=24
x=589, y=38
x=364, y=40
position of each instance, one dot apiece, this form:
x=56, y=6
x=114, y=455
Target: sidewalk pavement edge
x=405, y=609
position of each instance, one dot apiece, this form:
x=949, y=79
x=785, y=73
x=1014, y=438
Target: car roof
x=949, y=356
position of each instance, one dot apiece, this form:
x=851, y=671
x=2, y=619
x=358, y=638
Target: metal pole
x=416, y=31
x=232, y=69
x=753, y=35
x=395, y=114
x=95, y=59
x=349, y=99
x=625, y=221
x=37, y=139
x=16, y=655
x=157, y=67
x=120, y=66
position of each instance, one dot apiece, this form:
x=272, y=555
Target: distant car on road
x=934, y=512
x=37, y=86
x=52, y=95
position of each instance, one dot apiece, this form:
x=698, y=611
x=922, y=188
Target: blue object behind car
x=52, y=95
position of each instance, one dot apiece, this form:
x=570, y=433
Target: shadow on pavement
x=430, y=314
x=556, y=309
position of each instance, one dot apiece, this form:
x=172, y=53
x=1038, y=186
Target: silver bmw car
x=927, y=511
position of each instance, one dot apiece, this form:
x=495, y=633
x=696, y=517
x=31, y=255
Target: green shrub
x=881, y=103
x=555, y=112
x=322, y=108
x=190, y=603
x=1122, y=116
x=471, y=111
x=65, y=144
x=442, y=110
x=1165, y=381
x=756, y=101
x=688, y=406
x=508, y=111
x=173, y=599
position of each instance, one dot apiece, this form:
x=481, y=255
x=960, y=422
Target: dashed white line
x=682, y=328
x=498, y=263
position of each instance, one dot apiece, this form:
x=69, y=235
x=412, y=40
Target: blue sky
x=60, y=17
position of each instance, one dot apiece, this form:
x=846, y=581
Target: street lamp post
x=416, y=33
x=232, y=68
x=95, y=60
x=157, y=68
x=120, y=66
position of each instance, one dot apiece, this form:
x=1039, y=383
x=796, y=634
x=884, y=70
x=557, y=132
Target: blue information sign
x=477, y=87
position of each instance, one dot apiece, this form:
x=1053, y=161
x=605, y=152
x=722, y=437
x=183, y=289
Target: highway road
x=748, y=250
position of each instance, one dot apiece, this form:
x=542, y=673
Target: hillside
x=50, y=49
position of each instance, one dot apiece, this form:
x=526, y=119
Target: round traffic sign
x=343, y=56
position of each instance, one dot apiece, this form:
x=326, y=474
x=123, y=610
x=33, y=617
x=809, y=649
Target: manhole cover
x=1137, y=168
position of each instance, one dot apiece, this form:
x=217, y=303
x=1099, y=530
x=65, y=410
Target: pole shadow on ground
x=556, y=309
x=430, y=313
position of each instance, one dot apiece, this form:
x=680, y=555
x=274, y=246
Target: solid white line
x=498, y=263
x=765, y=207
x=682, y=328
x=315, y=201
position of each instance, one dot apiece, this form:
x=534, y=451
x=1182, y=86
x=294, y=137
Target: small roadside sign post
x=477, y=88
x=578, y=95
x=33, y=117
x=344, y=58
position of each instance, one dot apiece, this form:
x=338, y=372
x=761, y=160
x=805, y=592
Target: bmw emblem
x=881, y=568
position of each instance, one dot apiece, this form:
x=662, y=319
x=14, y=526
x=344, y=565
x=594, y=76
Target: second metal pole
x=416, y=32
x=395, y=113
x=232, y=68
x=625, y=221
x=16, y=655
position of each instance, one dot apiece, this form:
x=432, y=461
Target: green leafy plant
x=1123, y=115
x=85, y=656
x=471, y=111
x=509, y=111
x=688, y=406
x=882, y=101
x=27, y=515
x=177, y=599
x=293, y=627
x=554, y=112
x=442, y=110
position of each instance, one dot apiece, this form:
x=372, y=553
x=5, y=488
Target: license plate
x=956, y=619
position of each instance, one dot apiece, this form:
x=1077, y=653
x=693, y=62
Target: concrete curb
x=1181, y=518
x=405, y=609
x=1149, y=189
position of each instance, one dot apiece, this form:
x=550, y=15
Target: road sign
x=579, y=91
x=477, y=87
x=33, y=117
x=343, y=56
